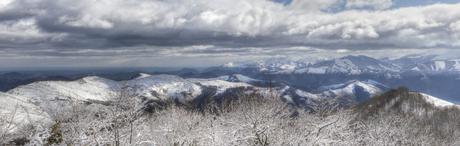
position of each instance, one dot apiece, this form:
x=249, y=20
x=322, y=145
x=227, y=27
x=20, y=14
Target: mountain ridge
x=351, y=64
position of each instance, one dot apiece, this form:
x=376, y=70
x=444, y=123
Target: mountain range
x=40, y=101
x=428, y=74
x=351, y=65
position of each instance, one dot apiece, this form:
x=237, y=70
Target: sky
x=199, y=33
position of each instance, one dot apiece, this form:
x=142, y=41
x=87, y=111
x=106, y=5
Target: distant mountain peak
x=164, y=87
x=352, y=64
x=354, y=87
x=237, y=78
x=143, y=75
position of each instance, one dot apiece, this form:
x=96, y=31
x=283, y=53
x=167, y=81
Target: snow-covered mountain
x=170, y=87
x=438, y=66
x=50, y=95
x=341, y=95
x=88, y=89
x=143, y=75
x=346, y=65
x=220, y=85
x=360, y=90
x=351, y=65
x=420, y=73
x=237, y=78
x=427, y=64
x=85, y=89
x=281, y=66
x=273, y=66
x=153, y=87
x=164, y=87
x=404, y=101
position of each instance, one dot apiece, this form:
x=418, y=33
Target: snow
x=348, y=89
x=352, y=65
x=416, y=69
x=163, y=87
x=230, y=65
x=457, y=65
x=318, y=70
x=53, y=95
x=370, y=88
x=349, y=65
x=245, y=79
x=221, y=85
x=375, y=83
x=308, y=95
x=50, y=95
x=437, y=101
x=439, y=65
x=237, y=78
x=143, y=75
x=241, y=64
x=288, y=67
x=19, y=112
x=86, y=89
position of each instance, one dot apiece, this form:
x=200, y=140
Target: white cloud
x=209, y=19
x=405, y=27
x=455, y=28
x=21, y=32
x=5, y=3
x=237, y=26
x=375, y=4
x=309, y=6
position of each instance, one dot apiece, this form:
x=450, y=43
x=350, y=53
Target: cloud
x=177, y=27
x=375, y=4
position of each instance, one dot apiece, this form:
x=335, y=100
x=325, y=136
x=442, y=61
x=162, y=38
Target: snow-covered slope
x=220, y=85
x=438, y=66
x=50, y=95
x=86, y=89
x=237, y=78
x=143, y=75
x=346, y=65
x=280, y=66
x=352, y=65
x=427, y=64
x=352, y=87
x=273, y=66
x=342, y=95
x=437, y=101
x=16, y=112
x=163, y=87
x=402, y=100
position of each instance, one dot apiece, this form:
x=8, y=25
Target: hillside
x=99, y=108
x=403, y=101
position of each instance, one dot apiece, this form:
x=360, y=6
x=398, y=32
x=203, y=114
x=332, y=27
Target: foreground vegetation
x=251, y=120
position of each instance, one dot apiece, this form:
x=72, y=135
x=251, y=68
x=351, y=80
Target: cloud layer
x=168, y=27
